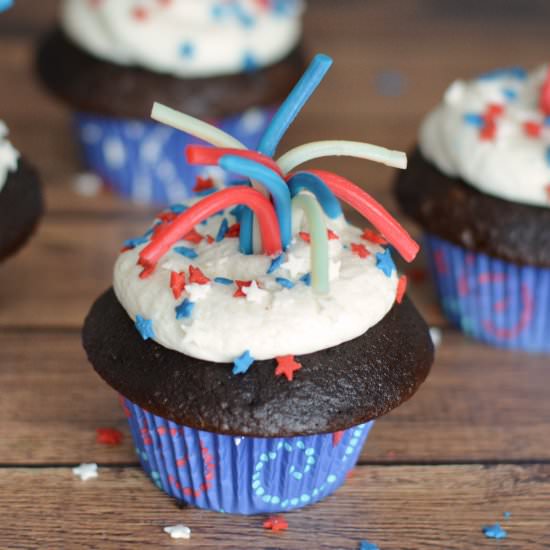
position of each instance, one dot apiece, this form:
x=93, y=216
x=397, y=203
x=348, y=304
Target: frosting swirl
x=185, y=38
x=9, y=156
x=252, y=302
x=491, y=133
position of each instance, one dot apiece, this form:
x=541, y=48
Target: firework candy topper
x=267, y=267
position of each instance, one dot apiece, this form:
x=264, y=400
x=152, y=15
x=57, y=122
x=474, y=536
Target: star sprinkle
x=366, y=545
x=287, y=365
x=178, y=531
x=203, y=184
x=222, y=231
x=254, y=293
x=197, y=292
x=8, y=155
x=295, y=265
x=185, y=309
x=401, y=289
x=332, y=236
x=494, y=531
x=145, y=327
x=436, y=336
x=185, y=251
x=177, y=283
x=86, y=471
x=233, y=231
x=239, y=293
x=360, y=250
x=108, y=436
x=193, y=237
x=373, y=237
x=242, y=363
x=275, y=264
x=532, y=129
x=276, y=523
x=385, y=263
x=196, y=276
x=306, y=237
x=306, y=279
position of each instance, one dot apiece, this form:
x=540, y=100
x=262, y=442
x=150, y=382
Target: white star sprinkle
x=296, y=265
x=197, y=292
x=178, y=531
x=436, y=335
x=85, y=471
x=254, y=293
x=8, y=156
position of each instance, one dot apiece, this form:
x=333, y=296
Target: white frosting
x=186, y=38
x=9, y=156
x=271, y=320
x=511, y=164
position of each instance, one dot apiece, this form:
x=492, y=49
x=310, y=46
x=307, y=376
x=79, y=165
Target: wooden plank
x=396, y=507
x=478, y=404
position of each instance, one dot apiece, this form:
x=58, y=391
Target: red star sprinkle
x=177, y=283
x=332, y=236
x=196, y=276
x=532, y=129
x=203, y=184
x=233, y=231
x=167, y=216
x=193, y=237
x=373, y=237
x=108, y=436
x=210, y=239
x=287, y=365
x=360, y=250
x=337, y=437
x=494, y=110
x=305, y=236
x=239, y=292
x=401, y=289
x=489, y=129
x=146, y=271
x=276, y=523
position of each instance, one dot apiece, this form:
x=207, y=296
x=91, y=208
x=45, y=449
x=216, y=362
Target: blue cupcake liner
x=242, y=475
x=144, y=161
x=498, y=302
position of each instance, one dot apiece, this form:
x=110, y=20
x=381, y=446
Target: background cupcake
x=251, y=380
x=20, y=197
x=229, y=62
x=479, y=184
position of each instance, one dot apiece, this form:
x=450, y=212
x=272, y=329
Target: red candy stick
x=373, y=211
x=186, y=221
x=202, y=154
x=544, y=98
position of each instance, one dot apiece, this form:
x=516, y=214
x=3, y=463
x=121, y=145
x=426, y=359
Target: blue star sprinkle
x=243, y=363
x=187, y=49
x=275, y=264
x=184, y=310
x=366, y=545
x=178, y=208
x=385, y=263
x=494, y=531
x=306, y=279
x=186, y=251
x=507, y=515
x=223, y=281
x=249, y=63
x=145, y=327
x=474, y=120
x=284, y=282
x=509, y=94
x=224, y=226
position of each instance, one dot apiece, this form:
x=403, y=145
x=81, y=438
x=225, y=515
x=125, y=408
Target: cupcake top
x=494, y=133
x=9, y=156
x=185, y=38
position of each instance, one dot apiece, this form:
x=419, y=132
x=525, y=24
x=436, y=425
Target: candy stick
x=544, y=98
x=203, y=154
x=294, y=103
x=309, y=151
x=194, y=126
x=186, y=221
x=272, y=182
x=319, y=241
x=373, y=211
x=313, y=184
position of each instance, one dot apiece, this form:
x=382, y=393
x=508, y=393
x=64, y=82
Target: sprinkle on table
x=366, y=545
x=242, y=363
x=178, y=531
x=86, y=471
x=276, y=523
x=494, y=531
x=287, y=366
x=108, y=436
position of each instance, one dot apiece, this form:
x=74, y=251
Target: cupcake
x=229, y=62
x=479, y=185
x=251, y=364
x=20, y=198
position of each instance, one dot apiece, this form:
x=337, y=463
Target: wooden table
x=473, y=444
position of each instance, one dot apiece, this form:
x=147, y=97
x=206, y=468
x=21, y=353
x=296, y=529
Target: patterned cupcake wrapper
x=500, y=303
x=144, y=161
x=242, y=475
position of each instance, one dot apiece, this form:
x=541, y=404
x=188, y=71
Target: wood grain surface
x=472, y=444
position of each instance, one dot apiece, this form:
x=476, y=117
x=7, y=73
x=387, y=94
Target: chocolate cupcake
x=229, y=62
x=479, y=185
x=20, y=198
x=252, y=364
